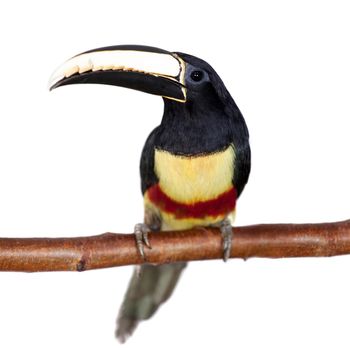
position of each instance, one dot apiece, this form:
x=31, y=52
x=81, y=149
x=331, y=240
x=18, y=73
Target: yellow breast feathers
x=196, y=178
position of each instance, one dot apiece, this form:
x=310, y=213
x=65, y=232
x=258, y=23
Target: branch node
x=81, y=265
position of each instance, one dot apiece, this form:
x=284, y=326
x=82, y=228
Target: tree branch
x=111, y=249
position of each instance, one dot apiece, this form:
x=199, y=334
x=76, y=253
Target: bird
x=194, y=164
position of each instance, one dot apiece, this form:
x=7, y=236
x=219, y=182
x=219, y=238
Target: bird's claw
x=141, y=238
x=227, y=233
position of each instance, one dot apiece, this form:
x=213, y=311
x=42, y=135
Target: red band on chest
x=221, y=205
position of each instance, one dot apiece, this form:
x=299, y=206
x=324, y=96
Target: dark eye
x=197, y=75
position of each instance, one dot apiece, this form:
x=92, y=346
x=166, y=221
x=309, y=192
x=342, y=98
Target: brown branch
x=111, y=249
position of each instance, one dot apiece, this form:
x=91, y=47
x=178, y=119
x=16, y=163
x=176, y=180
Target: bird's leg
x=227, y=233
x=141, y=238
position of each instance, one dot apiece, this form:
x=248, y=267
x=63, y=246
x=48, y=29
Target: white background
x=69, y=166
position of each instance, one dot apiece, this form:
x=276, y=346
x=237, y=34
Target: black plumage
x=209, y=121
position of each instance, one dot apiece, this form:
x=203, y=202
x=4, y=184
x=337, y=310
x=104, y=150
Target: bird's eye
x=197, y=75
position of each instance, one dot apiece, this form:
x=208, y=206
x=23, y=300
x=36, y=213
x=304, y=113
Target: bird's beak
x=143, y=68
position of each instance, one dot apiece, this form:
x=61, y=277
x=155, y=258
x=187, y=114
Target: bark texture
x=113, y=249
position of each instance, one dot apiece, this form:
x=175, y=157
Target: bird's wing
x=241, y=166
x=148, y=175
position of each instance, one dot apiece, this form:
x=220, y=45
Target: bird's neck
x=192, y=129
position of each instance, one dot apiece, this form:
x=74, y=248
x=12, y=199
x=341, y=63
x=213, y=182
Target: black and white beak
x=143, y=68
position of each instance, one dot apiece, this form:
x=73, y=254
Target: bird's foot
x=227, y=233
x=141, y=238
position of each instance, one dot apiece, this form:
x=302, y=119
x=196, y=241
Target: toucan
x=193, y=167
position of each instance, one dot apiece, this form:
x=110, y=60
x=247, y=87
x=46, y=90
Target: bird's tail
x=149, y=287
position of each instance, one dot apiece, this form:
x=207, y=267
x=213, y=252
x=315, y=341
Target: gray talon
x=141, y=238
x=146, y=241
x=227, y=233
